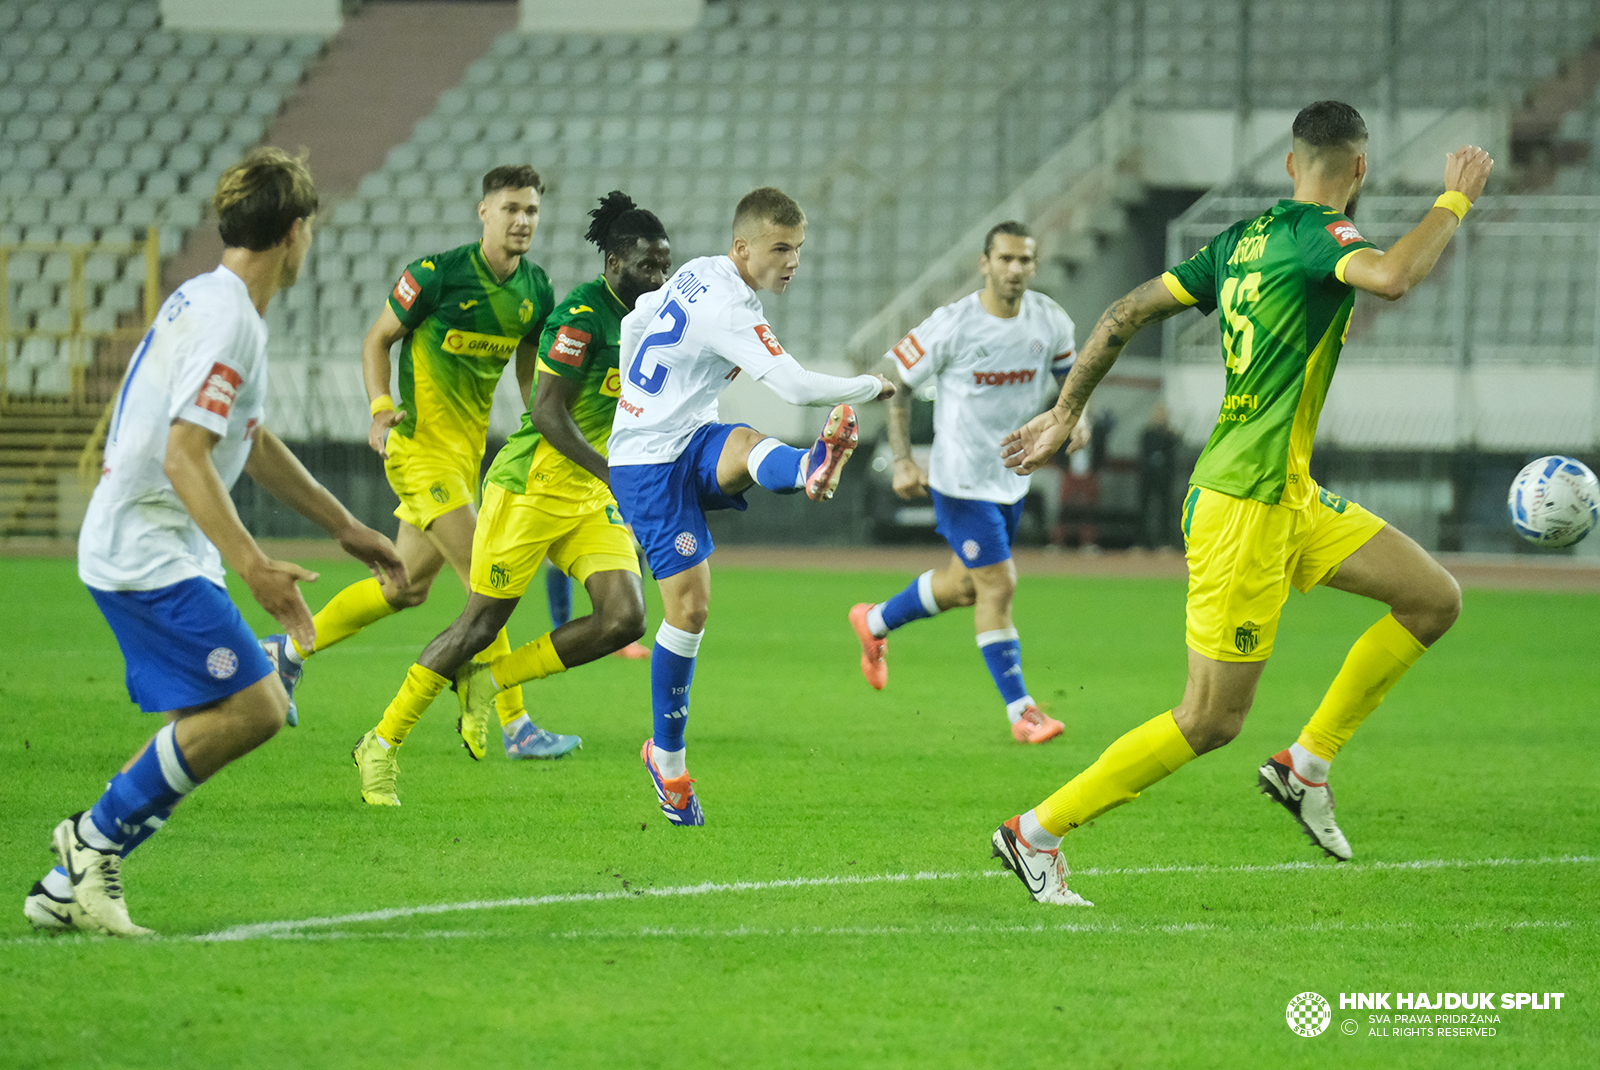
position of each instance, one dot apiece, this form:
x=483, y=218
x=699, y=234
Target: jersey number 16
x=1238, y=332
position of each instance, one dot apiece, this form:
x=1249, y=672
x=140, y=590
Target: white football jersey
x=204, y=361
x=993, y=375
x=681, y=347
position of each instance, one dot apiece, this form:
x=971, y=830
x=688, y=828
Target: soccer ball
x=1554, y=501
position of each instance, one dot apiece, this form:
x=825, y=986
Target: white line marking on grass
x=270, y=929
x=1109, y=928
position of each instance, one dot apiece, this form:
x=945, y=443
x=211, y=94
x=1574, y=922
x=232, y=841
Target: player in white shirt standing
x=672, y=461
x=992, y=355
x=161, y=524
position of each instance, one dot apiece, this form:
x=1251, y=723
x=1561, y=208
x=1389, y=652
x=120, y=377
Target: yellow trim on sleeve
x=1338, y=269
x=1182, y=296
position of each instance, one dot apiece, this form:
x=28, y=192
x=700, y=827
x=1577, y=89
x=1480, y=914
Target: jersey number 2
x=652, y=382
x=1238, y=332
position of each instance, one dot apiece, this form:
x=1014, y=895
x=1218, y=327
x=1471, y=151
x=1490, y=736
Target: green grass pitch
x=841, y=908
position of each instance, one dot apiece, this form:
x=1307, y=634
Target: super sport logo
x=908, y=351
x=569, y=346
x=219, y=390
x=406, y=291
x=1344, y=232
x=769, y=340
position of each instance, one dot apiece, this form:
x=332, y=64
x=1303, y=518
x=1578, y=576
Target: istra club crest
x=440, y=492
x=525, y=313
x=1246, y=636
x=499, y=576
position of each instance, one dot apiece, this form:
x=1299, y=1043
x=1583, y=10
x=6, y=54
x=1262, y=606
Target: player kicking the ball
x=160, y=525
x=546, y=495
x=671, y=461
x=1254, y=521
x=990, y=355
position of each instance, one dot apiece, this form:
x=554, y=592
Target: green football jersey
x=464, y=326
x=1279, y=281
x=581, y=342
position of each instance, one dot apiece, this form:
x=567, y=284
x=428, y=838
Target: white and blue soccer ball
x=1554, y=502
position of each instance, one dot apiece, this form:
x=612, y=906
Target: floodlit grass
x=840, y=909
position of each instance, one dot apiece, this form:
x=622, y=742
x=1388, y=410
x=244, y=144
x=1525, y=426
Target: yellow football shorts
x=429, y=483
x=1244, y=555
x=516, y=531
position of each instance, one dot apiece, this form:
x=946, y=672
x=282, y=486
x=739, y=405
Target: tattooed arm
x=1031, y=447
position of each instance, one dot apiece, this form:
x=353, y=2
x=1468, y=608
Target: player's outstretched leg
x=786, y=470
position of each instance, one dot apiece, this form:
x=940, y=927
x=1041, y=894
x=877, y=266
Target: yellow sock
x=1374, y=665
x=1131, y=764
x=530, y=661
x=422, y=686
x=508, y=700
x=351, y=610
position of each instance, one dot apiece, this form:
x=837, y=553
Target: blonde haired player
x=460, y=316
x=187, y=422
x=672, y=460
x=1254, y=521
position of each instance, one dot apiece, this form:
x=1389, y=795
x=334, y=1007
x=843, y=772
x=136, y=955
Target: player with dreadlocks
x=547, y=494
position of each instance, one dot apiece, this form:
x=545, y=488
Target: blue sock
x=914, y=603
x=776, y=466
x=1003, y=652
x=152, y=786
x=149, y=827
x=558, y=588
x=671, y=673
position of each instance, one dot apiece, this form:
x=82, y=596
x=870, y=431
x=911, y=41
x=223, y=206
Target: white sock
x=671, y=764
x=1035, y=833
x=384, y=743
x=90, y=834
x=1312, y=770
x=510, y=730
x=57, y=884
x=291, y=653
x=875, y=623
x=1014, y=709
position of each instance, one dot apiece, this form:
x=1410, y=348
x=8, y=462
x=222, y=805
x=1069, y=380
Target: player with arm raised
x=672, y=461
x=459, y=315
x=1254, y=521
x=990, y=354
x=546, y=496
x=161, y=525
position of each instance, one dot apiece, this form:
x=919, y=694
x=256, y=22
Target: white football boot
x=1043, y=873
x=1311, y=804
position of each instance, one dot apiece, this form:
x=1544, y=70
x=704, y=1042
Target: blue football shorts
x=667, y=503
x=185, y=645
x=981, y=533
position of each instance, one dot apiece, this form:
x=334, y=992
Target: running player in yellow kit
x=1255, y=523
x=459, y=315
x=547, y=495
